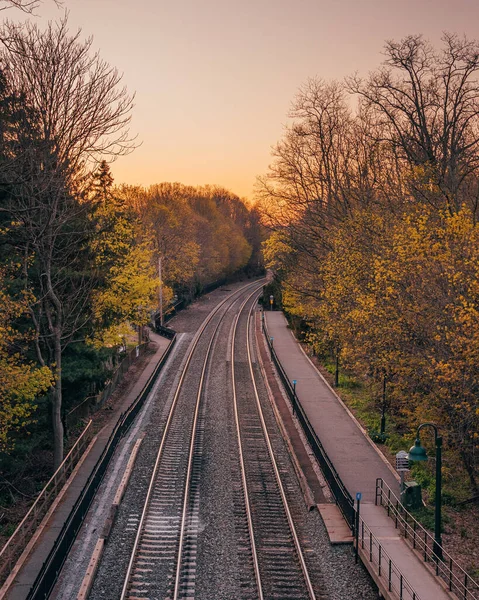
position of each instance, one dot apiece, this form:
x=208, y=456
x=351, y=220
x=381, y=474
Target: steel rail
x=191, y=449
x=194, y=344
x=292, y=527
x=241, y=457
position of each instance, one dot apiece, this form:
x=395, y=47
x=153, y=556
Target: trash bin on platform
x=411, y=496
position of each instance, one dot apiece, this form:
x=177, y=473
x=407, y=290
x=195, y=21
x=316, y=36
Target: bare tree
x=75, y=113
x=27, y=6
x=428, y=105
x=326, y=165
x=82, y=110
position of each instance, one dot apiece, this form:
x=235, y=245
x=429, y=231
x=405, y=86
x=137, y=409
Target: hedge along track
x=279, y=565
x=164, y=522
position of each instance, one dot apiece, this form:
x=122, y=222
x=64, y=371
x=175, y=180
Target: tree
x=428, y=105
x=375, y=241
x=27, y=6
x=127, y=288
x=199, y=233
x=74, y=114
x=20, y=381
x=82, y=112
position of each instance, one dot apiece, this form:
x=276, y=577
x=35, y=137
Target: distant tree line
x=79, y=255
x=373, y=200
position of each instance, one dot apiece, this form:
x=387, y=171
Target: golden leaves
x=20, y=382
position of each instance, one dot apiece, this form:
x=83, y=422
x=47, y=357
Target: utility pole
x=161, y=290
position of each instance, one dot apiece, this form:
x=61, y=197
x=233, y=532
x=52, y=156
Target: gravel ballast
x=222, y=569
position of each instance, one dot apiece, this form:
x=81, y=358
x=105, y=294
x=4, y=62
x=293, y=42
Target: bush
x=378, y=437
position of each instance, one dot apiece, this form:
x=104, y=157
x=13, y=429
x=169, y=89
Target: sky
x=214, y=79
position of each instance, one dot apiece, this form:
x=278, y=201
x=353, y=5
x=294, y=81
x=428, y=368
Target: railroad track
x=167, y=527
x=273, y=545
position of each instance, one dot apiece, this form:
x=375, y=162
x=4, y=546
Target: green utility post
x=418, y=453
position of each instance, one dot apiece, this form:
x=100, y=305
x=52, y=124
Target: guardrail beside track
x=343, y=498
x=455, y=577
x=51, y=567
x=18, y=541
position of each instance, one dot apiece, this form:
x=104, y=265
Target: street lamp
x=418, y=453
x=160, y=280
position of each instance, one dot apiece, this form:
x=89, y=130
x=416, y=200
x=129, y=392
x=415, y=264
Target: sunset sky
x=214, y=79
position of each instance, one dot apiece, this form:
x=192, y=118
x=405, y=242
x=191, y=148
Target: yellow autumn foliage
x=20, y=381
x=399, y=299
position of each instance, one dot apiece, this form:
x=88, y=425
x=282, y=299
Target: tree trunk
x=469, y=466
x=55, y=323
x=383, y=408
x=57, y=406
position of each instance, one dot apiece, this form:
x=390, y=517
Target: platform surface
x=355, y=458
x=336, y=526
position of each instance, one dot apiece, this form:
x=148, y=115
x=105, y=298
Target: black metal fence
x=48, y=575
x=372, y=551
x=457, y=580
x=343, y=498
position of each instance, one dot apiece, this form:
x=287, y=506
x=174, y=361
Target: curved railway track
x=211, y=435
x=278, y=560
x=166, y=528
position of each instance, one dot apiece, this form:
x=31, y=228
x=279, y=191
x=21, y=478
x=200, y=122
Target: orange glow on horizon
x=214, y=80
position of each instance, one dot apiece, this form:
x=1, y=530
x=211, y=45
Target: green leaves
x=20, y=381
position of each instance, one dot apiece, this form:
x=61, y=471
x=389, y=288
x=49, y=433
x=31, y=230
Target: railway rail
x=210, y=434
x=166, y=527
x=276, y=553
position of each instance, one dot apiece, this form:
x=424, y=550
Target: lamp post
x=294, y=395
x=160, y=279
x=418, y=453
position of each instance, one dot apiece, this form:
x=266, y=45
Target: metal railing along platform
x=343, y=498
x=22, y=534
x=457, y=580
x=389, y=574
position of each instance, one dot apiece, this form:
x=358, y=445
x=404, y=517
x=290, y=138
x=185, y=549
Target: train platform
x=355, y=457
x=24, y=575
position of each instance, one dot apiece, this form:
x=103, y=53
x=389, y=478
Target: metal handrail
x=52, y=566
x=342, y=496
x=21, y=536
x=387, y=570
x=456, y=578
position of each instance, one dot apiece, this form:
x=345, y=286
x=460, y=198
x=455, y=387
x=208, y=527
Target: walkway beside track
x=33, y=564
x=356, y=459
